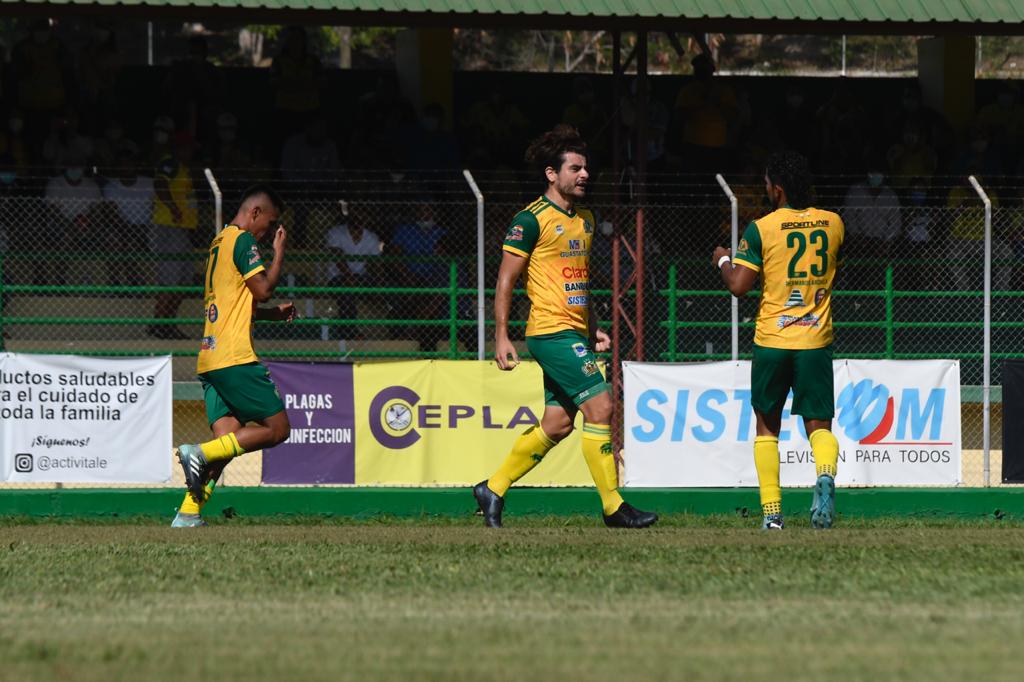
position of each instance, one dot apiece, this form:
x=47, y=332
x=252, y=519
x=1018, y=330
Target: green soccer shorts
x=808, y=372
x=244, y=392
x=571, y=373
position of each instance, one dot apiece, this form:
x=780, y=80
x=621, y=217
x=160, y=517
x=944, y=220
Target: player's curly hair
x=790, y=171
x=549, y=150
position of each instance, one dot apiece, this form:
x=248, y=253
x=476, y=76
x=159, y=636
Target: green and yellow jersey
x=796, y=252
x=179, y=181
x=558, y=274
x=227, y=336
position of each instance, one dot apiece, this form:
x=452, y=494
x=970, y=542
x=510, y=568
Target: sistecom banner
x=897, y=422
x=72, y=419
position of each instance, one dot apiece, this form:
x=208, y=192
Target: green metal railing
x=888, y=324
x=451, y=324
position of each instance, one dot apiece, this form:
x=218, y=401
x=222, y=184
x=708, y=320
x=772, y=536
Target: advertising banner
x=72, y=419
x=452, y=422
x=321, y=447
x=897, y=422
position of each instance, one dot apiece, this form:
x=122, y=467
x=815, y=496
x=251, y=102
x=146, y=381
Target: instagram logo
x=23, y=463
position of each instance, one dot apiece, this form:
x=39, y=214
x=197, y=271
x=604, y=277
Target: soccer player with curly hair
x=795, y=250
x=550, y=241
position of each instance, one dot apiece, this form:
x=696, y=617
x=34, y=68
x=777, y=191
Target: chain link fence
x=383, y=265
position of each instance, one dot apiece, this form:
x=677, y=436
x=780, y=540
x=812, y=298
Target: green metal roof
x=925, y=12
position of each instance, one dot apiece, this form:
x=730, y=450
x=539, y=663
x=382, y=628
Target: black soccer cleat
x=627, y=516
x=491, y=504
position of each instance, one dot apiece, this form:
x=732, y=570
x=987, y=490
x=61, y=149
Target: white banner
x=73, y=419
x=897, y=422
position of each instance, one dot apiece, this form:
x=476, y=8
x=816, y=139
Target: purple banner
x=321, y=408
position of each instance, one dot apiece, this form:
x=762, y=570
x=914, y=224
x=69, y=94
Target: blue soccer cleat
x=772, y=522
x=187, y=521
x=823, y=508
x=194, y=464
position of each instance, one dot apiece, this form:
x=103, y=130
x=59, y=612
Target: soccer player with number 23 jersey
x=795, y=251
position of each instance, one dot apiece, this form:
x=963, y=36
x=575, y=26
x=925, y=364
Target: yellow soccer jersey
x=558, y=274
x=179, y=181
x=227, y=336
x=796, y=252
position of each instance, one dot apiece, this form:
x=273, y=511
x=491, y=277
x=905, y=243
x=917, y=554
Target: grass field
x=697, y=598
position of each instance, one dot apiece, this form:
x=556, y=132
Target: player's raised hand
x=505, y=354
x=286, y=312
x=602, y=342
x=280, y=239
x=720, y=252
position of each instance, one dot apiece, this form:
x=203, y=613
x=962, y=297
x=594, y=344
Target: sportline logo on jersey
x=396, y=415
x=867, y=413
x=897, y=422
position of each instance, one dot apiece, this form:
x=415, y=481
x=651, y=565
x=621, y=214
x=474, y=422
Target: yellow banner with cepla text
x=452, y=422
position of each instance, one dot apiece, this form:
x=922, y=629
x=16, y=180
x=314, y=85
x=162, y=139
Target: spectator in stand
x=131, y=195
x=420, y=240
x=13, y=145
x=379, y=116
x=99, y=65
x=796, y=123
x=842, y=123
x=163, y=129
x=310, y=156
x=1003, y=123
x=42, y=71
x=351, y=238
x=193, y=91
x=66, y=142
x=73, y=198
x=588, y=116
x=496, y=129
x=431, y=146
x=912, y=157
x=919, y=230
x=979, y=154
x=107, y=147
x=175, y=219
x=705, y=109
x=230, y=154
x=657, y=128
x=296, y=78
x=932, y=126
x=873, y=221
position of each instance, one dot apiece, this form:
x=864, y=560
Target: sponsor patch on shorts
x=589, y=368
x=580, y=350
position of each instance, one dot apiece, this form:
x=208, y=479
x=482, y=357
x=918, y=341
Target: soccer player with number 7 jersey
x=795, y=251
x=243, y=407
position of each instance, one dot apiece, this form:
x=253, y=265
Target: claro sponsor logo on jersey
x=397, y=415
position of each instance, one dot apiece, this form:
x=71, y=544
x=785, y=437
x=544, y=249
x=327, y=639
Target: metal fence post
x=734, y=207
x=480, y=322
x=986, y=387
x=218, y=201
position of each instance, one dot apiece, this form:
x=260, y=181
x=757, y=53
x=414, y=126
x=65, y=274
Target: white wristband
x=723, y=260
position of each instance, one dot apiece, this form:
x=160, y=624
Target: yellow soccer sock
x=527, y=452
x=825, y=448
x=221, y=448
x=597, y=450
x=766, y=459
x=190, y=506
